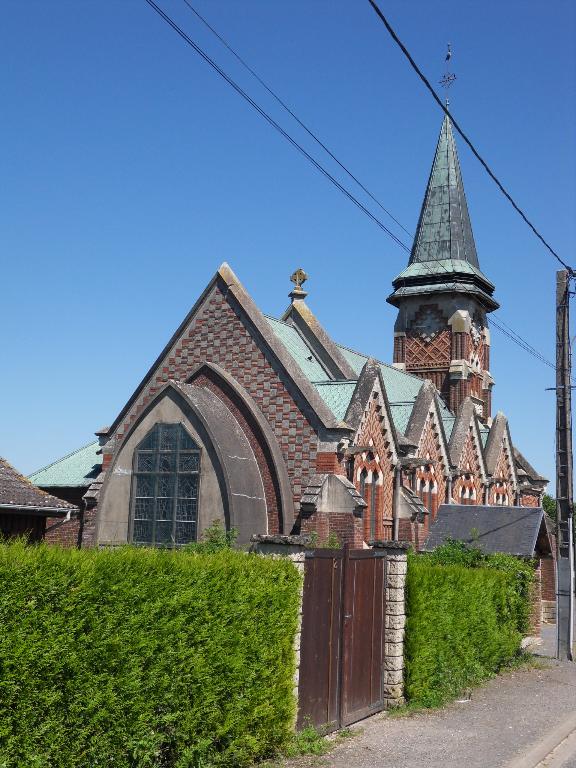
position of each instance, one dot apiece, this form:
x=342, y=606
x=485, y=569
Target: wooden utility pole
x=564, y=536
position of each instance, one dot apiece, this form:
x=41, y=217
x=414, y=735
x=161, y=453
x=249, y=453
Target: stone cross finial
x=299, y=277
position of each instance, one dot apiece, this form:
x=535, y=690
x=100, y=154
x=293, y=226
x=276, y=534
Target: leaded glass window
x=165, y=487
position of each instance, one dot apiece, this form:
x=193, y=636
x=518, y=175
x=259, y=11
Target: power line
x=293, y=115
x=512, y=335
x=485, y=165
x=515, y=337
x=274, y=124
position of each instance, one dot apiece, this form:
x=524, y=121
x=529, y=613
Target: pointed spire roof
x=443, y=257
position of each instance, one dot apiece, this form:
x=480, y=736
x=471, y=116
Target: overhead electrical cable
x=464, y=136
x=274, y=124
x=513, y=335
x=293, y=115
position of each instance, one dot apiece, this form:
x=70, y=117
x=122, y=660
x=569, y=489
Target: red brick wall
x=529, y=500
x=548, y=569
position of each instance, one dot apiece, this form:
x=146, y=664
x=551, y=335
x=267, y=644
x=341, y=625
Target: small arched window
x=165, y=487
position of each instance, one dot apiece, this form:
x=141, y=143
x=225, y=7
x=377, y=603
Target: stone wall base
x=549, y=611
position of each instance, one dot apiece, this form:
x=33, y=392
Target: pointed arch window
x=165, y=487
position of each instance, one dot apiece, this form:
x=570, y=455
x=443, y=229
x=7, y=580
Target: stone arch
x=233, y=490
x=260, y=435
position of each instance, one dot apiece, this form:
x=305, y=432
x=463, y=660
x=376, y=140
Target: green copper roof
x=298, y=349
x=78, y=469
x=484, y=432
x=443, y=267
x=443, y=257
x=336, y=395
x=444, y=230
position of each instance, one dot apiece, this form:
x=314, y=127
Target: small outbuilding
x=519, y=531
x=24, y=508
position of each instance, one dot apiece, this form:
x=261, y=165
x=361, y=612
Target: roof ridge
x=62, y=458
x=380, y=362
x=336, y=381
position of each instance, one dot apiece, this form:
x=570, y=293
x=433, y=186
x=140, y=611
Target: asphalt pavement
x=516, y=720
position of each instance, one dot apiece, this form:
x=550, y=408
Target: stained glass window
x=165, y=487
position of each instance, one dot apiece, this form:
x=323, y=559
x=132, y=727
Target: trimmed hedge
x=464, y=622
x=147, y=658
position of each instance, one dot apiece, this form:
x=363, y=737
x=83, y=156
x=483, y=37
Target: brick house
x=27, y=511
x=270, y=426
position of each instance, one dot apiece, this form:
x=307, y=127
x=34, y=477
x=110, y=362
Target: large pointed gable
x=225, y=326
x=443, y=257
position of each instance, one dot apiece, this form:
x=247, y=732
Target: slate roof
x=17, y=491
x=76, y=470
x=493, y=529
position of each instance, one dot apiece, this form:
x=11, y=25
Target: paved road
x=503, y=721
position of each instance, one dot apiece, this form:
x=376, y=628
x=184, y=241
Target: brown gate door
x=319, y=683
x=363, y=635
x=342, y=641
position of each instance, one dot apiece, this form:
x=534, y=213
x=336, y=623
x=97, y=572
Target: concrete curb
x=540, y=751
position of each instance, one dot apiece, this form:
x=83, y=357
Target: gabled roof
x=467, y=416
x=499, y=432
x=301, y=316
x=526, y=469
x=263, y=332
x=76, y=470
x=427, y=399
x=17, y=492
x=513, y=530
x=443, y=257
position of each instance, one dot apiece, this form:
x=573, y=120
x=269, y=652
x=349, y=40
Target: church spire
x=441, y=332
x=443, y=257
x=444, y=230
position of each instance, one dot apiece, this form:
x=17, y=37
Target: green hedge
x=144, y=658
x=464, y=622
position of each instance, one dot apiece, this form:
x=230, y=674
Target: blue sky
x=131, y=171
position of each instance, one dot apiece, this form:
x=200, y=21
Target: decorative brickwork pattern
x=422, y=354
x=502, y=489
x=467, y=488
x=431, y=477
x=375, y=464
x=217, y=334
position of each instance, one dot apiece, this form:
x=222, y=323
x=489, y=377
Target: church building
x=270, y=426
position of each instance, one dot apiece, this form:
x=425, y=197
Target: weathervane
x=448, y=77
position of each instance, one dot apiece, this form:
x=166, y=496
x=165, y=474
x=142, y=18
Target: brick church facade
x=270, y=426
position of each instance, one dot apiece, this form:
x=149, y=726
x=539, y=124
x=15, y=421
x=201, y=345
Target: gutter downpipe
x=396, y=502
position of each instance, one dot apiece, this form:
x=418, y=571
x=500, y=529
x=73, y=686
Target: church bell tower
x=441, y=332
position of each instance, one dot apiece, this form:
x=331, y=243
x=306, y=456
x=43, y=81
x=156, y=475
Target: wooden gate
x=342, y=642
